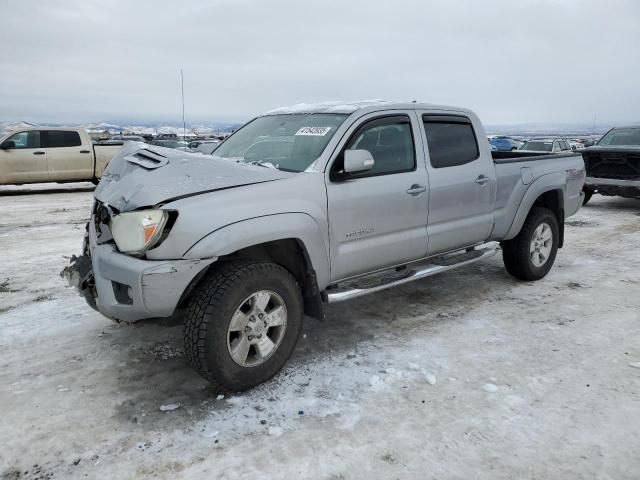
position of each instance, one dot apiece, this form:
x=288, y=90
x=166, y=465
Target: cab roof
x=351, y=107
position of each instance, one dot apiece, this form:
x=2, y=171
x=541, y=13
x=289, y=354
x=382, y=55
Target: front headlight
x=135, y=232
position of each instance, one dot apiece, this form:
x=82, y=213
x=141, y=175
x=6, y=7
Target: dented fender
x=255, y=231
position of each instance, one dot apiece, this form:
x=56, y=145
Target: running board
x=408, y=273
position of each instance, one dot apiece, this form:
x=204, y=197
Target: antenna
x=184, y=124
x=594, y=125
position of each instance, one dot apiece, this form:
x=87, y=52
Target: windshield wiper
x=263, y=164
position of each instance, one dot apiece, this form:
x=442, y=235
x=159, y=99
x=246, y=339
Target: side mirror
x=357, y=161
x=8, y=145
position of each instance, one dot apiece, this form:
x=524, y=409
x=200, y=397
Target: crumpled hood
x=143, y=175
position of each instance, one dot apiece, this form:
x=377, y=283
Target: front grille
x=613, y=165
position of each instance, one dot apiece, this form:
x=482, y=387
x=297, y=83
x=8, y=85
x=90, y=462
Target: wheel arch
x=548, y=192
x=291, y=240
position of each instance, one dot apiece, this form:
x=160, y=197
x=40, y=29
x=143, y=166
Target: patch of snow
x=635, y=364
x=327, y=107
x=490, y=388
x=514, y=400
x=430, y=378
x=169, y=407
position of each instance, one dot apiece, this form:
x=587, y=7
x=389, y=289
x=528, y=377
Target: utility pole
x=184, y=123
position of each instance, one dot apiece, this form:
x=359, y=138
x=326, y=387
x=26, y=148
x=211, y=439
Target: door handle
x=38, y=153
x=482, y=179
x=416, y=189
x=85, y=151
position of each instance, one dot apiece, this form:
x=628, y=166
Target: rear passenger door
x=67, y=157
x=462, y=183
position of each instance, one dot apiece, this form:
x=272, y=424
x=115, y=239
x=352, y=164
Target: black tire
x=95, y=181
x=209, y=313
x=516, y=252
x=587, y=196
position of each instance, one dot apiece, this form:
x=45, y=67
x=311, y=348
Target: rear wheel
x=530, y=255
x=243, y=322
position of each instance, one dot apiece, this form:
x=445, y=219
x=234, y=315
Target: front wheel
x=530, y=255
x=243, y=322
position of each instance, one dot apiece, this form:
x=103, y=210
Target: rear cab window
x=451, y=140
x=61, y=138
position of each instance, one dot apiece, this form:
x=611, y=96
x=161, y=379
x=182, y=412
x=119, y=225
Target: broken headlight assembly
x=136, y=232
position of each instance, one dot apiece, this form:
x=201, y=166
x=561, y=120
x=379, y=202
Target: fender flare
x=255, y=231
x=540, y=186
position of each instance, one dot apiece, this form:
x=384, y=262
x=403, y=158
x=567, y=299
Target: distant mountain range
x=137, y=128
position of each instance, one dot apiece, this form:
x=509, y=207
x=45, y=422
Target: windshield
x=537, y=146
x=288, y=142
x=621, y=136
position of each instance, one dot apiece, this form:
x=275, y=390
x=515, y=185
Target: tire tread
x=515, y=252
x=208, y=298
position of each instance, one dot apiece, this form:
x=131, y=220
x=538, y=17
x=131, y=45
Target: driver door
x=23, y=160
x=378, y=218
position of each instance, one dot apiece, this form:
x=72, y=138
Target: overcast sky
x=511, y=61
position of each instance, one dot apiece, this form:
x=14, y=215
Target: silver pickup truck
x=308, y=205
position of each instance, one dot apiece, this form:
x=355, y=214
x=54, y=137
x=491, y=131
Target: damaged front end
x=122, y=286
x=79, y=274
x=130, y=217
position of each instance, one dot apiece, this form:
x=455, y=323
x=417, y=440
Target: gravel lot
x=466, y=375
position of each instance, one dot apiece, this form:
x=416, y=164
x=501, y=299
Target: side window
x=451, y=140
x=23, y=140
x=390, y=142
x=62, y=138
x=565, y=146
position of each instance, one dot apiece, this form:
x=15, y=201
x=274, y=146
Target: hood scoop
x=147, y=159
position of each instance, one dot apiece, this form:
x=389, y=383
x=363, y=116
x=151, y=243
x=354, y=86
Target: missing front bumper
x=126, y=288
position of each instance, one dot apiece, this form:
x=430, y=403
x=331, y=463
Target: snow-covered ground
x=466, y=375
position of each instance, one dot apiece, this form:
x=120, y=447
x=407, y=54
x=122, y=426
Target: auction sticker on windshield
x=314, y=131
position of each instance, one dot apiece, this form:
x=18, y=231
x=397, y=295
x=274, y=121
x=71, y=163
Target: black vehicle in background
x=613, y=164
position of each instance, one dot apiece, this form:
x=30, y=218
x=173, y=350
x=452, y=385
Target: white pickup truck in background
x=35, y=155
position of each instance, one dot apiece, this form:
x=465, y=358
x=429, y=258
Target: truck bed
x=516, y=172
x=524, y=156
